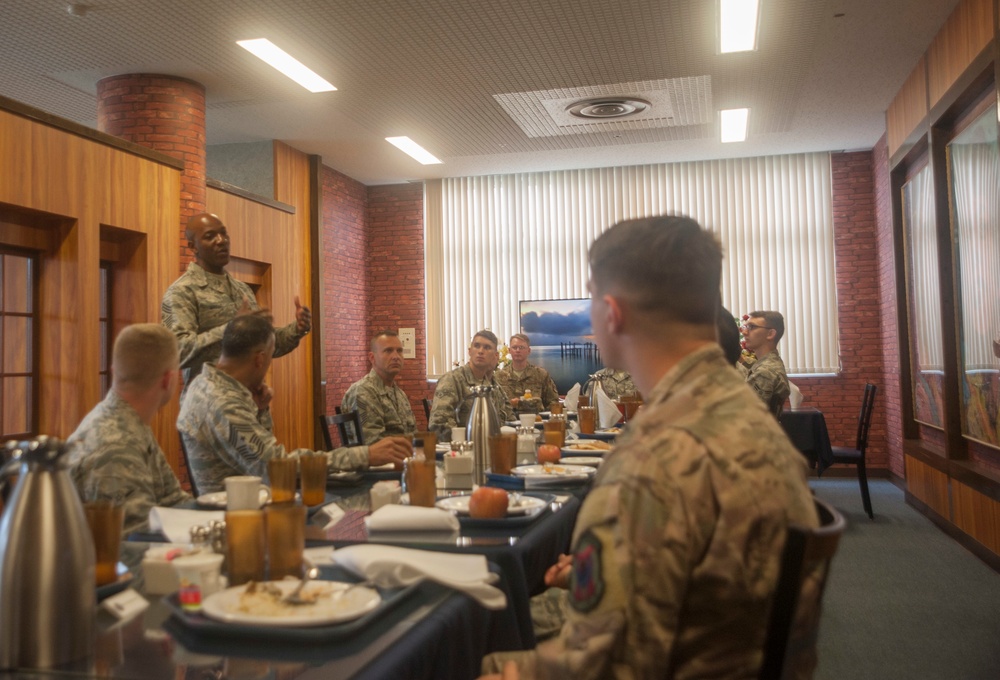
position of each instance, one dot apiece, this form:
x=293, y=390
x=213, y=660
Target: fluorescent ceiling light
x=267, y=51
x=738, y=25
x=410, y=147
x=734, y=125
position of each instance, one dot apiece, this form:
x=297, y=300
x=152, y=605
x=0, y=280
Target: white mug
x=245, y=493
x=199, y=576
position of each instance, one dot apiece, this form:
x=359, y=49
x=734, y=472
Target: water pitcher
x=47, y=594
x=595, y=381
x=484, y=422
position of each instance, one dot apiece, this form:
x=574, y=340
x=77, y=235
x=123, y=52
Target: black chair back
x=348, y=426
x=427, y=410
x=865, y=417
x=790, y=643
x=187, y=464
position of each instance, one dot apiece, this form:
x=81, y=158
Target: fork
x=294, y=597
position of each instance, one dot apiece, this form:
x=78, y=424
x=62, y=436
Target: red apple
x=488, y=503
x=549, y=453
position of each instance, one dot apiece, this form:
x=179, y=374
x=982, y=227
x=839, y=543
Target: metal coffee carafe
x=596, y=381
x=47, y=592
x=484, y=422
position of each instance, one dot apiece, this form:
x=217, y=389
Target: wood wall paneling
x=967, y=31
x=908, y=108
x=928, y=484
x=977, y=515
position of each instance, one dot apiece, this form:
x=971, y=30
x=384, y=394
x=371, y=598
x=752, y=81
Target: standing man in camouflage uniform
x=225, y=418
x=453, y=396
x=384, y=408
x=198, y=305
x=520, y=377
x=616, y=383
x=114, y=441
x=676, y=550
x=761, y=333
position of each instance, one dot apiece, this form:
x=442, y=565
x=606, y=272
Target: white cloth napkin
x=572, y=398
x=390, y=567
x=411, y=518
x=607, y=408
x=176, y=523
x=795, y=395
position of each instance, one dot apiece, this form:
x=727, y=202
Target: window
x=18, y=332
x=494, y=241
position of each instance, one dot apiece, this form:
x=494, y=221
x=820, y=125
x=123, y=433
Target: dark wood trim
x=897, y=178
x=243, y=193
x=93, y=135
x=960, y=537
x=920, y=450
x=976, y=78
x=316, y=256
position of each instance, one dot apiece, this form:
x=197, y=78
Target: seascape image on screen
x=562, y=340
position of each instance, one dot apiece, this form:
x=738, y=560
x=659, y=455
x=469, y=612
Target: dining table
x=425, y=631
x=806, y=428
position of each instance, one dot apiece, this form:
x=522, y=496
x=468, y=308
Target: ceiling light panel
x=414, y=150
x=274, y=56
x=738, y=25
x=734, y=125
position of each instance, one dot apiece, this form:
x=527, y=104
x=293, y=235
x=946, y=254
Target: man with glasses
x=453, y=396
x=529, y=388
x=761, y=333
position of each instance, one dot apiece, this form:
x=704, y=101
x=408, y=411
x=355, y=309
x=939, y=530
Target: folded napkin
x=572, y=398
x=390, y=567
x=411, y=518
x=607, y=409
x=176, y=523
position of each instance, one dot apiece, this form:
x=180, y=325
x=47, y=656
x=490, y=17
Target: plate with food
x=553, y=470
x=218, y=499
x=262, y=604
x=521, y=505
x=607, y=434
x=586, y=447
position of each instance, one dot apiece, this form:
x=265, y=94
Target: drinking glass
x=503, y=453
x=245, y=546
x=421, y=478
x=430, y=444
x=105, y=518
x=587, y=416
x=555, y=432
x=314, y=472
x=282, y=472
x=285, y=525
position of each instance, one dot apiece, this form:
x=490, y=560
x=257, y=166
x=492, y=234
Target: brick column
x=166, y=114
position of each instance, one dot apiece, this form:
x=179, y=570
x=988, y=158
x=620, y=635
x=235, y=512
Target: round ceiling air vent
x=604, y=108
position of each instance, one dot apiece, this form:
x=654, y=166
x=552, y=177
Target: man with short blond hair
x=384, y=409
x=529, y=389
x=114, y=449
x=453, y=396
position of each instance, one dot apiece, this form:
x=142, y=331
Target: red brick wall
x=345, y=299
x=859, y=316
x=396, y=277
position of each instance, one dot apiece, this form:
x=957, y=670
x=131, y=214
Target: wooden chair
x=856, y=456
x=790, y=643
x=348, y=428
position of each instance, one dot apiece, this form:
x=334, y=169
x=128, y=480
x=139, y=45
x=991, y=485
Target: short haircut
x=666, y=266
x=246, y=334
x=729, y=335
x=489, y=335
x=382, y=334
x=773, y=320
x=142, y=353
x=522, y=337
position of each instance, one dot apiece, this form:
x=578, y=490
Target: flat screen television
x=562, y=340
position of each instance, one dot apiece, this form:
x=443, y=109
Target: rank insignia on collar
x=586, y=586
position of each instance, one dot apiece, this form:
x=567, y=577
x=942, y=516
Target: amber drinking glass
x=421, y=478
x=286, y=539
x=587, y=416
x=245, y=546
x=282, y=473
x=503, y=453
x=314, y=472
x=555, y=432
x=105, y=519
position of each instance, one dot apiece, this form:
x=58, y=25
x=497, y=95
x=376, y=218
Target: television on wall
x=562, y=340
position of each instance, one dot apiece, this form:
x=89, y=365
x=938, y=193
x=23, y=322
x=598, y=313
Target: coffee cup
x=243, y=492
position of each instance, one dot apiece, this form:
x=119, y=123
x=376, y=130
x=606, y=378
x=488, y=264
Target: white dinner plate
x=334, y=606
x=553, y=470
x=591, y=461
x=460, y=505
x=218, y=499
x=580, y=448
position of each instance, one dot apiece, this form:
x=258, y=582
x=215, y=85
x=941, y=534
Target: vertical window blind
x=495, y=240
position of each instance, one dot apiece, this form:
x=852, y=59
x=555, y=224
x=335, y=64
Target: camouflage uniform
x=384, y=411
x=197, y=307
x=616, y=383
x=538, y=380
x=768, y=379
x=113, y=443
x=676, y=550
x=225, y=435
x=453, y=401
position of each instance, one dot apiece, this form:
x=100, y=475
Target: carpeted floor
x=904, y=600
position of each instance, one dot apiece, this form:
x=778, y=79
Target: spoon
x=294, y=597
